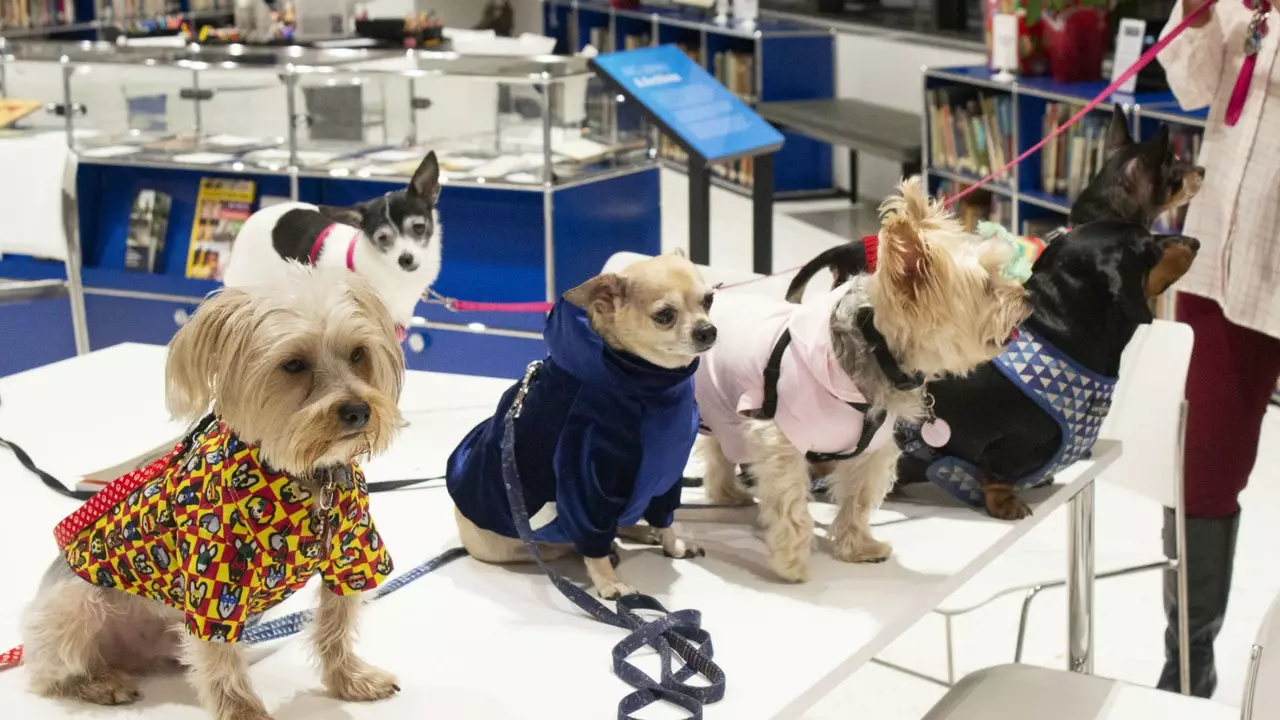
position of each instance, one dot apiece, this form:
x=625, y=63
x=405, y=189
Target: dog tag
x=936, y=433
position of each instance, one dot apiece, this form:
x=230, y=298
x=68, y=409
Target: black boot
x=1211, y=550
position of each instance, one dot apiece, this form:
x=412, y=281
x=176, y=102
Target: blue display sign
x=688, y=103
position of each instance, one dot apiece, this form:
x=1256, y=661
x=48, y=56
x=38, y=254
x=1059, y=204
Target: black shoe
x=1211, y=549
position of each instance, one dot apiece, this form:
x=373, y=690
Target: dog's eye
x=665, y=316
x=419, y=229
x=382, y=237
x=357, y=355
x=707, y=300
x=294, y=366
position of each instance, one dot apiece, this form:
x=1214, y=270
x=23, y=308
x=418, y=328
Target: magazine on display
x=222, y=207
x=148, y=224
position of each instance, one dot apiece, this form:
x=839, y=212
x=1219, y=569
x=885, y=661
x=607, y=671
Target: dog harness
x=775, y=360
x=1075, y=397
x=223, y=537
x=314, y=256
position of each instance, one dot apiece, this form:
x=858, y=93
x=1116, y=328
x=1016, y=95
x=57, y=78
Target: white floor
x=1129, y=616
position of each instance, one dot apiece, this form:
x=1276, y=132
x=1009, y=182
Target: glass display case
x=510, y=121
x=545, y=174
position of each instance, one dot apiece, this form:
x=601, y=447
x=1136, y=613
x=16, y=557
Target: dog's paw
x=614, y=590
x=243, y=712
x=863, y=551
x=682, y=550
x=363, y=683
x=1003, y=503
x=111, y=688
x=790, y=569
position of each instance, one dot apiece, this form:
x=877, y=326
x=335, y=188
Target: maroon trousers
x=1232, y=376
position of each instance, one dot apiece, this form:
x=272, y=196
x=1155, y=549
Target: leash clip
x=431, y=296
x=517, y=404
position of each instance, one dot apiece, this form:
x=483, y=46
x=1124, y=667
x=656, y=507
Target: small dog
x=393, y=240
x=793, y=385
x=606, y=427
x=303, y=377
x=1137, y=183
x=1089, y=291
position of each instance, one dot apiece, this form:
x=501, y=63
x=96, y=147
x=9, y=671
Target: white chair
x=1147, y=416
x=1020, y=692
x=38, y=217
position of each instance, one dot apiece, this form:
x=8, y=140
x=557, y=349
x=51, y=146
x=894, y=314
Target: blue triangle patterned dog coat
x=1076, y=398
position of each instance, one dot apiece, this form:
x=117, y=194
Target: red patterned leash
x=92, y=509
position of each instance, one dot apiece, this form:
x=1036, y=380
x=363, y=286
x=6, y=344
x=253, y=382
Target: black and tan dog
x=1036, y=408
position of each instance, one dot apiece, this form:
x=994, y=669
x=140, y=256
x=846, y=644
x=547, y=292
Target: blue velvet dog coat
x=604, y=435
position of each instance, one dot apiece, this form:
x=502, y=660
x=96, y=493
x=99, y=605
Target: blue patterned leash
x=672, y=634
x=292, y=624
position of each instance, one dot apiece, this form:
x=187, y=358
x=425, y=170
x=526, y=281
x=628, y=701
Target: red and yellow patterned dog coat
x=223, y=537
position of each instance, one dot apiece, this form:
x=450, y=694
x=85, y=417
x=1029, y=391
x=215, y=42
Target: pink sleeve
x=1193, y=61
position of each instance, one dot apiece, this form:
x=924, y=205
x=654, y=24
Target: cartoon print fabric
x=223, y=537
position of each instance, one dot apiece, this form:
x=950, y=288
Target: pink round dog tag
x=936, y=433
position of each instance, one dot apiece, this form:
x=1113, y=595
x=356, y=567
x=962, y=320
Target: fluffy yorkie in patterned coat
x=265, y=492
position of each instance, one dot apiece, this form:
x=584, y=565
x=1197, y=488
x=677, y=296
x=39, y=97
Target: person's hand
x=1190, y=6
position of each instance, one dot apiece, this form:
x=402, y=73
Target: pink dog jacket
x=813, y=391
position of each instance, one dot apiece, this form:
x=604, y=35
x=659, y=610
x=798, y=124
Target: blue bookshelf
x=1025, y=192
x=785, y=61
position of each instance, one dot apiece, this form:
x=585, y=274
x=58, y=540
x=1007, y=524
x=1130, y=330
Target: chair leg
x=1022, y=622
x=951, y=660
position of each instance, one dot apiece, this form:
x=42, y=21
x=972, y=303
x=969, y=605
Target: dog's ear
x=352, y=216
x=385, y=353
x=1118, y=136
x=198, y=351
x=600, y=295
x=426, y=179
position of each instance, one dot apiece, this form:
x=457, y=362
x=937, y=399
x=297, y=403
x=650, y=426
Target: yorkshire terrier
x=606, y=427
x=794, y=389
x=299, y=380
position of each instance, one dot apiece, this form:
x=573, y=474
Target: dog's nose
x=705, y=335
x=354, y=415
x=1195, y=244
x=1200, y=171
x=407, y=262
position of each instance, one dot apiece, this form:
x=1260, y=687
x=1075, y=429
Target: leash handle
x=669, y=634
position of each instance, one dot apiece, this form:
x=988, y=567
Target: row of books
x=1070, y=161
x=36, y=13
x=970, y=131
x=736, y=71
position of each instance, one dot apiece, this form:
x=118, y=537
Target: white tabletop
x=479, y=641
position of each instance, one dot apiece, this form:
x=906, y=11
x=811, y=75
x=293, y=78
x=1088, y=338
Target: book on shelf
x=148, y=225
x=1184, y=143
x=222, y=206
x=635, y=42
x=601, y=39
x=970, y=131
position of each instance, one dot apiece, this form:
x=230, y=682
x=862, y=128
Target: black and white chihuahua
x=393, y=240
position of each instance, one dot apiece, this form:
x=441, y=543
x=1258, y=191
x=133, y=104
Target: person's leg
x=1231, y=379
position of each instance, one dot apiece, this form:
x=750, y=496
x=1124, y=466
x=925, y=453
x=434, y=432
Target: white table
x=479, y=641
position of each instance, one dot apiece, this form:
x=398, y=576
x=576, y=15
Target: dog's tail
x=845, y=261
